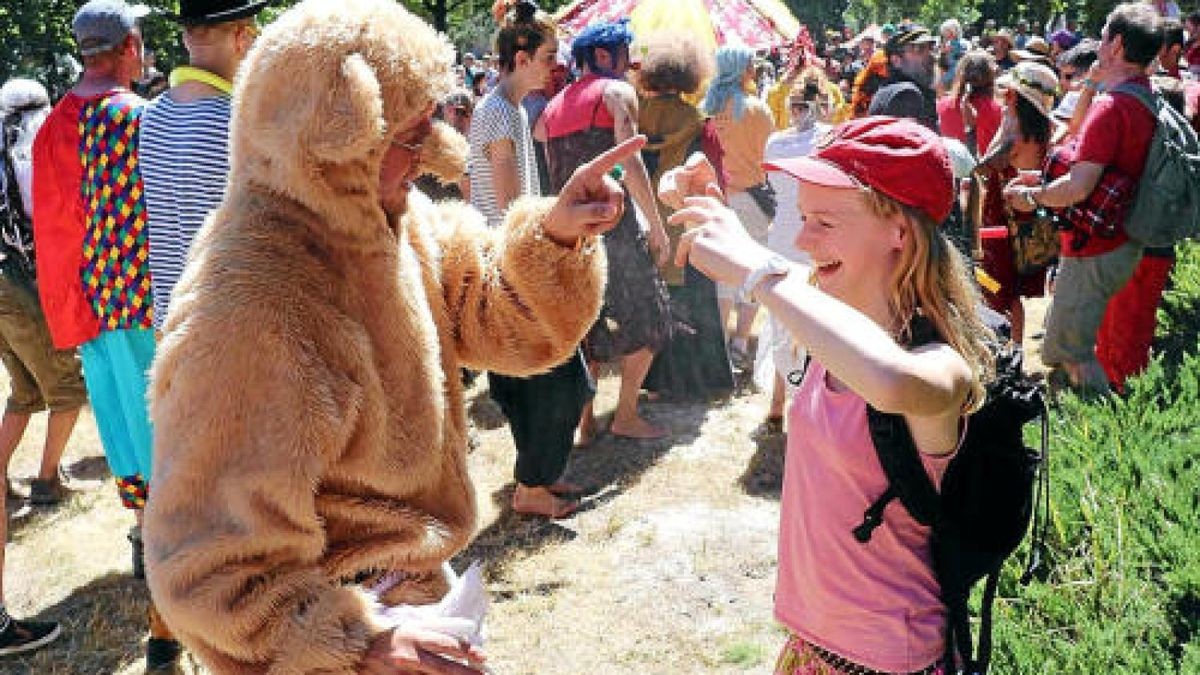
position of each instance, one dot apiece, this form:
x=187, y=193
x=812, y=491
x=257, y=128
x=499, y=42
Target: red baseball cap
x=898, y=157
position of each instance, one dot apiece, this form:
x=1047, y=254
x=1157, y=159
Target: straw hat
x=1033, y=81
x=1036, y=49
x=1006, y=35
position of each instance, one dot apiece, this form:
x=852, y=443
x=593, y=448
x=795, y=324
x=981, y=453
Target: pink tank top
x=876, y=604
x=579, y=107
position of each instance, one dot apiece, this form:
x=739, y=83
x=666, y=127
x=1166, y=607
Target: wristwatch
x=774, y=266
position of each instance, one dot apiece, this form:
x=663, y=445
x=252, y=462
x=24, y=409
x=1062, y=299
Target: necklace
x=193, y=74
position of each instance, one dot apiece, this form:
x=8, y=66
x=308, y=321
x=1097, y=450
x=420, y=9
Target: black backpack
x=991, y=490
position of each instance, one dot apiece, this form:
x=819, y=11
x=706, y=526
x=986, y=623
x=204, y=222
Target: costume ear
x=445, y=154
x=351, y=122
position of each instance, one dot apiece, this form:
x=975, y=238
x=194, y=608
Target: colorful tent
x=759, y=24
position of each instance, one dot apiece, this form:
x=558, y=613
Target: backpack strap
x=901, y=460
x=1148, y=97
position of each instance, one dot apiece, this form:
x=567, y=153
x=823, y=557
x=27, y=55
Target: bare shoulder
x=620, y=93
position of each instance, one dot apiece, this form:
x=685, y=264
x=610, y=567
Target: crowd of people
x=274, y=280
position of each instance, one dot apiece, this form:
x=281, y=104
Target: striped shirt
x=185, y=163
x=496, y=118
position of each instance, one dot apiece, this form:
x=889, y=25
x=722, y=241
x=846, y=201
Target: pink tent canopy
x=757, y=24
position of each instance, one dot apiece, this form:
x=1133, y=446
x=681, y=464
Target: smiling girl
x=871, y=197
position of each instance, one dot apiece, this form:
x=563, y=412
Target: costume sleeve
x=246, y=421
x=518, y=304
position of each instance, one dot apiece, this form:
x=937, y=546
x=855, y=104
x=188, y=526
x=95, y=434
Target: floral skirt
x=800, y=657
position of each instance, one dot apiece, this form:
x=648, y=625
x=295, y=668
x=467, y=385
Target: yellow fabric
x=777, y=101
x=193, y=74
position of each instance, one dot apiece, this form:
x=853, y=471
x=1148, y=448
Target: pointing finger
x=605, y=162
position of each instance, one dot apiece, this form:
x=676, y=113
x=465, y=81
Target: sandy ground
x=668, y=568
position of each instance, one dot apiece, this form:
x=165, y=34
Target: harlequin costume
x=90, y=232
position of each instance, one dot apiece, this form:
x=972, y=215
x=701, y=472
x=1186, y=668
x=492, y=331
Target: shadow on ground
x=93, y=468
x=764, y=472
x=605, y=469
x=103, y=624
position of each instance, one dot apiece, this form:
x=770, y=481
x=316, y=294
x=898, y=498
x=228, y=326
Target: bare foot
x=540, y=501
x=637, y=428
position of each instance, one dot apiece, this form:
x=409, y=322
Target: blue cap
x=101, y=25
x=610, y=34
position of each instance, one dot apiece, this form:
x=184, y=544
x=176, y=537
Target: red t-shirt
x=988, y=116
x=1116, y=133
x=578, y=107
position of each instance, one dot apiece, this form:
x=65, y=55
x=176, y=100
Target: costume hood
x=322, y=93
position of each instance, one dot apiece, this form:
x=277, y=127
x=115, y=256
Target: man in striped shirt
x=185, y=135
x=184, y=151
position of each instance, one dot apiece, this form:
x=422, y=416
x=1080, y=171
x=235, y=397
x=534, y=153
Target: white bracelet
x=774, y=266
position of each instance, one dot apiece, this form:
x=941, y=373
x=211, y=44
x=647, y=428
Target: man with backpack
x=1116, y=137
x=40, y=376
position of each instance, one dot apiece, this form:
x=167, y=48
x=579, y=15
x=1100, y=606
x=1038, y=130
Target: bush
x=1124, y=592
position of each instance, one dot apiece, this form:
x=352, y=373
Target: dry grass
x=669, y=568
x=670, y=565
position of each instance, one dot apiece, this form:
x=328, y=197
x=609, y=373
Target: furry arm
x=233, y=538
x=518, y=303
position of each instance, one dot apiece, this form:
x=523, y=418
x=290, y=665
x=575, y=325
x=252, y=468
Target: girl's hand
x=592, y=201
x=695, y=178
x=716, y=243
x=416, y=648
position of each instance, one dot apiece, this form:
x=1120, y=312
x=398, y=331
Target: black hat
x=200, y=12
x=904, y=100
x=909, y=34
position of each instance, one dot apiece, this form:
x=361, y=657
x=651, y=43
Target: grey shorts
x=1081, y=293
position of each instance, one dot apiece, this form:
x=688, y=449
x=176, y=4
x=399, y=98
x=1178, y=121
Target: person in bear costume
x=310, y=431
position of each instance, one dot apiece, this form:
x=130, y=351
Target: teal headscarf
x=732, y=63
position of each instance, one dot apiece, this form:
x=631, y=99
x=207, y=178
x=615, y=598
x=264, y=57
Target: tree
x=818, y=15
x=36, y=40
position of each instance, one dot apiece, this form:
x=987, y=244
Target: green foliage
x=36, y=41
x=1179, y=315
x=818, y=14
x=1124, y=594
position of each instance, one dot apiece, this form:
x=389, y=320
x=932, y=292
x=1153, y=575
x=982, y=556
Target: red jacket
x=58, y=225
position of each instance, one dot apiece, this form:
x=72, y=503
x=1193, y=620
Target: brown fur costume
x=309, y=419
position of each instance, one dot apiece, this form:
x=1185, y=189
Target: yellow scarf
x=192, y=74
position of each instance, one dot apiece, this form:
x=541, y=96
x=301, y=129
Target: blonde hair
x=932, y=280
